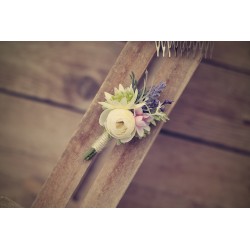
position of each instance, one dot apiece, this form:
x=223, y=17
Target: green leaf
x=153, y=122
x=134, y=81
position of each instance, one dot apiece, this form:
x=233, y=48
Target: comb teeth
x=188, y=49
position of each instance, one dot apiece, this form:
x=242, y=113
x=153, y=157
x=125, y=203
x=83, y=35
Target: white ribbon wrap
x=101, y=142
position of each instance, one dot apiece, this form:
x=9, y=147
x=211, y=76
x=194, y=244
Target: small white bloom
x=119, y=123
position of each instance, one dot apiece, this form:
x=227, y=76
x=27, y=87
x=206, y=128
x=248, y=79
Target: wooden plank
x=179, y=173
x=64, y=72
x=14, y=187
x=21, y=72
x=236, y=54
x=119, y=168
x=215, y=107
x=22, y=157
x=71, y=72
x=71, y=167
x=33, y=136
x=5, y=202
x=23, y=170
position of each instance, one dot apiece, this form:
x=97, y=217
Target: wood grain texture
x=187, y=174
x=64, y=72
x=235, y=54
x=5, y=202
x=119, y=169
x=23, y=170
x=71, y=167
x=215, y=107
x=71, y=72
x=29, y=156
x=33, y=136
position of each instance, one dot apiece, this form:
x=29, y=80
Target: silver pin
x=163, y=45
x=183, y=47
x=169, y=48
x=206, y=45
x=158, y=45
x=175, y=45
x=189, y=45
x=211, y=49
x=195, y=46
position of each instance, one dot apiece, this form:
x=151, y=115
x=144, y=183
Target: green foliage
x=134, y=81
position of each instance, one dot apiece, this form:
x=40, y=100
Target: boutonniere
x=128, y=113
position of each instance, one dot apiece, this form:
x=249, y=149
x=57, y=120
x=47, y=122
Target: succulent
x=123, y=98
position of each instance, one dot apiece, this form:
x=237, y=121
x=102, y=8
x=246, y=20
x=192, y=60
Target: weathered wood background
x=200, y=159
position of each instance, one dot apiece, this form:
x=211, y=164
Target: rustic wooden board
x=120, y=166
x=215, y=107
x=33, y=136
x=5, y=202
x=64, y=72
x=234, y=55
x=71, y=166
x=179, y=173
x=26, y=129
x=71, y=72
x=23, y=170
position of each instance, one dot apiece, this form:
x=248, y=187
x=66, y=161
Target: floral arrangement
x=129, y=113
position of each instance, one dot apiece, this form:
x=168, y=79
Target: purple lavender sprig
x=163, y=105
x=152, y=101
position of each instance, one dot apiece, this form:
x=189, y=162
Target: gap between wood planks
x=70, y=168
x=226, y=66
x=81, y=111
x=205, y=142
x=209, y=178
x=41, y=100
x=163, y=131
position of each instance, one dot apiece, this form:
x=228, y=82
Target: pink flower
x=142, y=121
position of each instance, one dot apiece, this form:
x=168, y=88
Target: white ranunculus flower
x=119, y=123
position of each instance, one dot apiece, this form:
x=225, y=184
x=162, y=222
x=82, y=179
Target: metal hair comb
x=189, y=49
